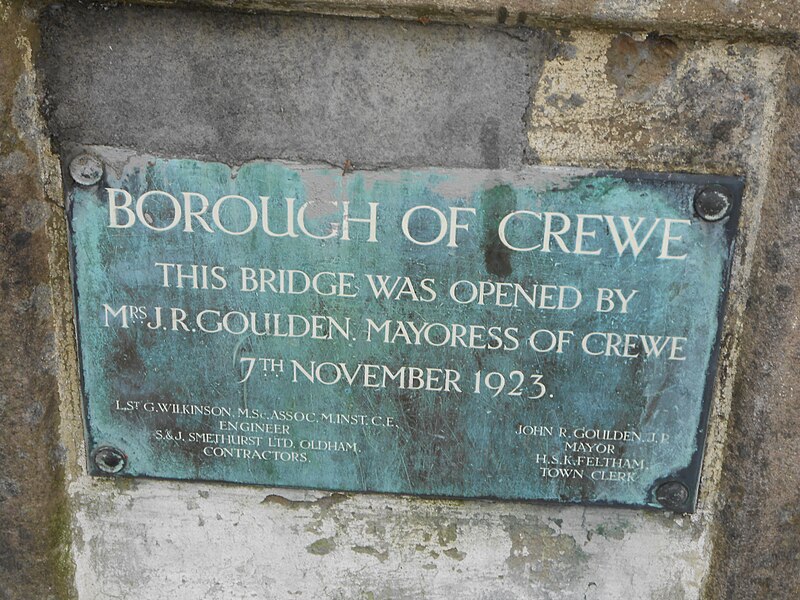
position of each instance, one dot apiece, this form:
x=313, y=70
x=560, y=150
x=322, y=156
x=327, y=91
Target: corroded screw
x=109, y=460
x=672, y=495
x=712, y=203
x=86, y=169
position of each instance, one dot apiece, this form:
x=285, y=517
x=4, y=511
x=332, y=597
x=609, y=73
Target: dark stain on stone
x=323, y=503
x=721, y=130
x=455, y=554
x=561, y=47
x=490, y=144
x=774, y=257
x=21, y=238
x=496, y=203
x=502, y=15
x=637, y=68
x=538, y=553
x=794, y=141
x=531, y=157
x=562, y=103
x=369, y=550
x=321, y=547
x=615, y=531
x=783, y=292
x=793, y=94
x=8, y=489
x=447, y=534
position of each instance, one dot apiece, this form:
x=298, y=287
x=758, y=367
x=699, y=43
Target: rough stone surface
x=587, y=99
x=653, y=102
x=216, y=542
x=660, y=103
x=776, y=20
x=34, y=523
x=597, y=98
x=758, y=542
x=233, y=87
x=220, y=542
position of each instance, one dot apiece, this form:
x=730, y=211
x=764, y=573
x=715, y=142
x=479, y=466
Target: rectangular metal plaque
x=543, y=334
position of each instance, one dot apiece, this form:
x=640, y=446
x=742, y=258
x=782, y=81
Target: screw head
x=672, y=495
x=713, y=203
x=86, y=169
x=109, y=460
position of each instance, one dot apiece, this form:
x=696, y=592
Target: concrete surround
x=672, y=85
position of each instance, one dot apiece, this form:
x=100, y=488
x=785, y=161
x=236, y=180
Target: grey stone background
x=238, y=87
x=570, y=83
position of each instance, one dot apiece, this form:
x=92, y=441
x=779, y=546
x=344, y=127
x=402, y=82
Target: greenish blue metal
x=165, y=392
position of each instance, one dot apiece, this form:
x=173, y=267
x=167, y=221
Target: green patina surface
x=443, y=442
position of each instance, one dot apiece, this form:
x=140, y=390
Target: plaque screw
x=109, y=460
x=672, y=495
x=86, y=169
x=712, y=203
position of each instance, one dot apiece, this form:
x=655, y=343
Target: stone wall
x=35, y=522
x=671, y=86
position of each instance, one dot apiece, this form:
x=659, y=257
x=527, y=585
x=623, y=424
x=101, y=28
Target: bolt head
x=109, y=460
x=713, y=203
x=86, y=169
x=672, y=495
